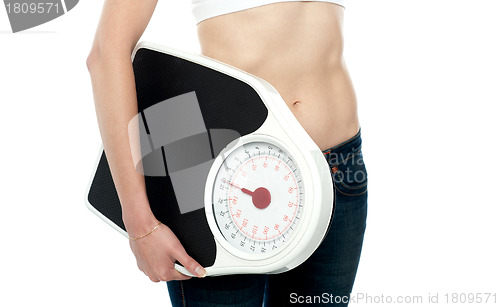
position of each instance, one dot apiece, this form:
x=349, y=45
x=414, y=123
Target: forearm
x=109, y=62
x=116, y=104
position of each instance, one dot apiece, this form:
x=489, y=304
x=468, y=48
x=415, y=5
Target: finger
x=179, y=276
x=183, y=277
x=142, y=269
x=172, y=274
x=154, y=279
x=176, y=276
x=190, y=264
x=139, y=267
x=151, y=275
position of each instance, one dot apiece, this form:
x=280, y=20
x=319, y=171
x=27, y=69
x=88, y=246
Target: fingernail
x=201, y=272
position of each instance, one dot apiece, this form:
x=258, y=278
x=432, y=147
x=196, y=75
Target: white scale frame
x=282, y=129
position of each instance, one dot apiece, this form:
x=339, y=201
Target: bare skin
x=295, y=46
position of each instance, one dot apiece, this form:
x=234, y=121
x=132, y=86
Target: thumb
x=190, y=264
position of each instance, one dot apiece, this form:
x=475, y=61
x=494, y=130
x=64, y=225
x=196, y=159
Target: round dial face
x=257, y=197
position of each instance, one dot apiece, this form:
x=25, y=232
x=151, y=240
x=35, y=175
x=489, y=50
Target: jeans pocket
x=350, y=176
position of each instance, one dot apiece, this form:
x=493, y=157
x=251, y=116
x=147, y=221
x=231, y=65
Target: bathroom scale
x=227, y=166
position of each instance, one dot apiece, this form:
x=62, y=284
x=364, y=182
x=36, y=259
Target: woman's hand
x=157, y=252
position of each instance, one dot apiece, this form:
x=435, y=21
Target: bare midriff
x=298, y=48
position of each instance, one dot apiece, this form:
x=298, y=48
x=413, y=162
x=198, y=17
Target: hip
x=347, y=167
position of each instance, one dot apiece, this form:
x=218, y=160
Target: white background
x=427, y=76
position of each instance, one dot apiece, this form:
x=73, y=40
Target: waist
x=298, y=48
x=295, y=46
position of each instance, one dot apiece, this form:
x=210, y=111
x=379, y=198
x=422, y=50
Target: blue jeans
x=326, y=278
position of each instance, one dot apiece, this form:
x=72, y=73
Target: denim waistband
x=343, y=151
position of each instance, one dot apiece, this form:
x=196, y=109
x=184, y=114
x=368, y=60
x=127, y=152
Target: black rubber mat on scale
x=225, y=103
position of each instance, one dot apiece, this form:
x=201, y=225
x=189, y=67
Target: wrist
x=133, y=238
x=138, y=222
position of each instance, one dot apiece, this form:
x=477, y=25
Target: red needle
x=247, y=191
x=261, y=197
x=232, y=184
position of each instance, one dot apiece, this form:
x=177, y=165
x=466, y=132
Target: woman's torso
x=297, y=47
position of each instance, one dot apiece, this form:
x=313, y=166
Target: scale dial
x=258, y=198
